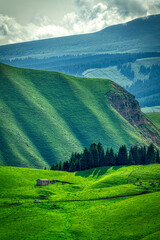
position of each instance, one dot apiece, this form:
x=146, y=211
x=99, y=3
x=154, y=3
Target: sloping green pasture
x=154, y=117
x=45, y=116
x=99, y=204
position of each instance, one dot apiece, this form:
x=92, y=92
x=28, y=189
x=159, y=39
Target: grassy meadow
x=154, y=117
x=102, y=203
x=45, y=116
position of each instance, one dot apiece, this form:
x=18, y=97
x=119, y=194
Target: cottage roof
x=43, y=179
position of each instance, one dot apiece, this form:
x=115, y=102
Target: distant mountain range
x=139, y=35
x=45, y=116
x=119, y=52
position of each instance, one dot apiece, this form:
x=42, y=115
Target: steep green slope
x=155, y=118
x=47, y=115
x=85, y=209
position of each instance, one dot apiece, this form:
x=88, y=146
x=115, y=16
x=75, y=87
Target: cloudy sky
x=22, y=20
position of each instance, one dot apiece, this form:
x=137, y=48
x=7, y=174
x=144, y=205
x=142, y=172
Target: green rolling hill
x=99, y=204
x=47, y=115
x=155, y=118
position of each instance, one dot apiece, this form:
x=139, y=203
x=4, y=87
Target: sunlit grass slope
x=47, y=115
x=155, y=118
x=20, y=183
x=126, y=215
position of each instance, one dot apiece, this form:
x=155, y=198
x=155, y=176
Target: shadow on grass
x=97, y=172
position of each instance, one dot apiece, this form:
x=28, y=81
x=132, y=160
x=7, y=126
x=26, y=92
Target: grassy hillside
x=99, y=204
x=47, y=115
x=155, y=118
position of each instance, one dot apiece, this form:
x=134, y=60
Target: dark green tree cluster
x=143, y=70
x=126, y=70
x=95, y=156
x=147, y=91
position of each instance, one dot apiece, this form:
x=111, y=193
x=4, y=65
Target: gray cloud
x=134, y=8
x=82, y=3
x=128, y=8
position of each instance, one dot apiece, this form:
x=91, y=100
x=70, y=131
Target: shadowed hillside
x=47, y=115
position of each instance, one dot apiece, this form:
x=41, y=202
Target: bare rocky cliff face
x=128, y=107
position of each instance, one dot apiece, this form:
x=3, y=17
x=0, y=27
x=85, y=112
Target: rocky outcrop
x=128, y=107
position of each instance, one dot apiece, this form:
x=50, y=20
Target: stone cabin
x=42, y=182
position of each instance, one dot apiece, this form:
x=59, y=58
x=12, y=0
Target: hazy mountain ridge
x=139, y=35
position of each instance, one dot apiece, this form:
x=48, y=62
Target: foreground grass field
x=103, y=203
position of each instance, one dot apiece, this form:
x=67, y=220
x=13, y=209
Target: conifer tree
x=53, y=167
x=157, y=157
x=111, y=157
x=66, y=166
x=135, y=154
x=107, y=158
x=60, y=166
x=77, y=165
x=56, y=167
x=116, y=159
x=95, y=155
x=130, y=159
x=122, y=156
x=101, y=154
x=72, y=167
x=72, y=159
x=150, y=158
x=143, y=155
x=86, y=160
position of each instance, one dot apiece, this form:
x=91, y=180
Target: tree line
x=95, y=156
x=77, y=64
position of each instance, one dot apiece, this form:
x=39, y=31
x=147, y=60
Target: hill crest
x=47, y=115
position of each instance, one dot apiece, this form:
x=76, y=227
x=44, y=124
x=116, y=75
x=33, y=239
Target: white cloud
x=39, y=28
x=89, y=18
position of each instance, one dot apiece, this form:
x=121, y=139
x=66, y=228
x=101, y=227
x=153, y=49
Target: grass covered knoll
x=68, y=212
x=45, y=116
x=154, y=117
